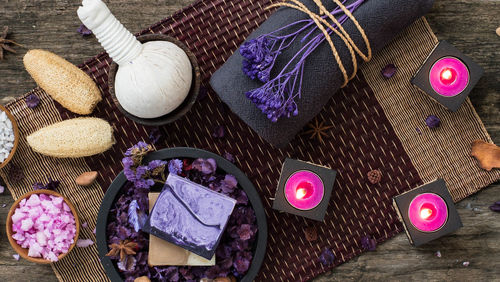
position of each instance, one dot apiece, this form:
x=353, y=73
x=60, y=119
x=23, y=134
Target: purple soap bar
x=190, y=216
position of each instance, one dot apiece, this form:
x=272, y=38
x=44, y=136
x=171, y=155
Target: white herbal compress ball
x=153, y=78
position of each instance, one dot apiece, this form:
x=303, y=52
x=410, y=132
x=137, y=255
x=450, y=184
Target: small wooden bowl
x=24, y=252
x=183, y=108
x=16, y=136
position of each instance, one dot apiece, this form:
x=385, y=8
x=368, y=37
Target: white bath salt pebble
x=6, y=136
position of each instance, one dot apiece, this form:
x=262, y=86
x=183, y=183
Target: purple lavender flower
x=140, y=148
x=432, y=121
x=175, y=166
x=327, y=257
x=32, y=101
x=389, y=71
x=51, y=185
x=83, y=30
x=368, y=243
x=155, y=135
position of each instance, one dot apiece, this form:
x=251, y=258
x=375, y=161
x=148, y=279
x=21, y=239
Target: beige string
x=346, y=38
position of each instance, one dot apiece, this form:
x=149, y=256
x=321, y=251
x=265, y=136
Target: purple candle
x=449, y=76
x=428, y=212
x=304, y=190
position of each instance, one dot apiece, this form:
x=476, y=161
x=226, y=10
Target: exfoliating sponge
x=64, y=82
x=73, y=138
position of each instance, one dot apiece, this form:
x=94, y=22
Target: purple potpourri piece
x=190, y=216
x=230, y=157
x=368, y=243
x=432, y=121
x=2, y=189
x=219, y=132
x=495, y=207
x=32, y=101
x=175, y=166
x=51, y=185
x=327, y=257
x=155, y=135
x=83, y=30
x=389, y=71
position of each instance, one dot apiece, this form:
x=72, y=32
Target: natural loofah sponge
x=73, y=138
x=63, y=81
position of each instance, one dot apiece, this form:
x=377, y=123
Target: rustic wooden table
x=468, y=24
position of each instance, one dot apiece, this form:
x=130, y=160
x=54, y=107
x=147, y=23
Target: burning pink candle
x=428, y=212
x=449, y=76
x=304, y=190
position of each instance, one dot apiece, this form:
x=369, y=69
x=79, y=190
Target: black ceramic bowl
x=114, y=189
x=179, y=111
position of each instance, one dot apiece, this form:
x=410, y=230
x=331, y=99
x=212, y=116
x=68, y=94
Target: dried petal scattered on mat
x=368, y=243
x=83, y=243
x=83, y=30
x=487, y=154
x=327, y=257
x=85, y=224
x=495, y=207
x=155, y=135
x=32, y=101
x=51, y=185
x=230, y=157
x=311, y=233
x=86, y=178
x=2, y=189
x=16, y=257
x=389, y=71
x=219, y=131
x=465, y=263
x=438, y=254
x=374, y=176
x=432, y=121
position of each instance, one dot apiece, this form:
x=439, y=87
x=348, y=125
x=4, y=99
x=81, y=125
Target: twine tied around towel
x=322, y=23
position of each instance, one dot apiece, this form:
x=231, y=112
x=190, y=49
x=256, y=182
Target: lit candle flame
x=425, y=213
x=301, y=192
x=446, y=74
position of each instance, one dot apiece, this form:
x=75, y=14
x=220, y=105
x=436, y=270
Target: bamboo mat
x=374, y=128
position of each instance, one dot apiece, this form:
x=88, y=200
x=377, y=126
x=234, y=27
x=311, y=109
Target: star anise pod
x=125, y=248
x=4, y=42
x=317, y=130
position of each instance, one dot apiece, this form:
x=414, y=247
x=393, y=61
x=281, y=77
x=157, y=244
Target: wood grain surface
x=468, y=24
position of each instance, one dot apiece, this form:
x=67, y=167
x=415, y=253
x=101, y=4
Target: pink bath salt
x=41, y=238
x=18, y=237
x=18, y=216
x=57, y=202
x=33, y=201
x=66, y=208
x=35, y=250
x=51, y=256
x=26, y=224
x=45, y=225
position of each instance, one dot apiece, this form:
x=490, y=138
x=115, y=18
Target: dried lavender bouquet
x=297, y=73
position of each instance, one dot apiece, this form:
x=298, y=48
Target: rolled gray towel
x=382, y=20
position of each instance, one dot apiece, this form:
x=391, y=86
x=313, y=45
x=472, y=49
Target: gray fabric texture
x=382, y=20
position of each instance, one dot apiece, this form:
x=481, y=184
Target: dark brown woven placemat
x=364, y=137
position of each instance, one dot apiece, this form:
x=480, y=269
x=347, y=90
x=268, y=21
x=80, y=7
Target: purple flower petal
x=432, y=121
x=228, y=156
x=155, y=135
x=83, y=30
x=83, y=243
x=368, y=243
x=203, y=93
x=32, y=101
x=495, y=207
x=219, y=132
x=2, y=189
x=16, y=257
x=327, y=257
x=245, y=232
x=51, y=185
x=389, y=70
x=85, y=224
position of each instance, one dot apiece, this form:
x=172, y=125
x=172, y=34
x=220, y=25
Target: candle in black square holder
x=304, y=189
x=427, y=212
x=447, y=75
